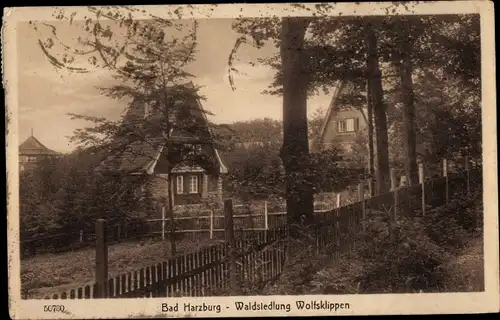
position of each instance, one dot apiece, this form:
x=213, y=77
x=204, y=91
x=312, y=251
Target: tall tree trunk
x=371, y=154
x=170, y=205
x=377, y=96
x=405, y=69
x=295, y=149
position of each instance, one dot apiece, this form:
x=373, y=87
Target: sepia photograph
x=203, y=160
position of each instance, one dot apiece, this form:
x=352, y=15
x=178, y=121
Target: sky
x=46, y=94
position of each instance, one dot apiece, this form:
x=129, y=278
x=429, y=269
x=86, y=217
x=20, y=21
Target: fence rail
x=209, y=222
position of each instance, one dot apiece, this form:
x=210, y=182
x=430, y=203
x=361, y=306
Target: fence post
x=361, y=198
x=338, y=200
x=394, y=188
x=370, y=187
x=173, y=249
x=445, y=174
x=422, y=182
x=101, y=259
x=119, y=232
x=467, y=172
x=231, y=242
x=395, y=210
x=163, y=222
x=211, y=224
x=266, y=221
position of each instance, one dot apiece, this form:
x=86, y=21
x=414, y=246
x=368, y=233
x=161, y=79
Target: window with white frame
x=350, y=125
x=197, y=148
x=193, y=184
x=194, y=149
x=179, y=184
x=346, y=125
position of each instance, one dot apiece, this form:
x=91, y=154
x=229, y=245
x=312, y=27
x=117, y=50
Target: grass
x=465, y=273
x=55, y=273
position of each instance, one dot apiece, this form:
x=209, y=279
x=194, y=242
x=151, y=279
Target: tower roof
x=32, y=146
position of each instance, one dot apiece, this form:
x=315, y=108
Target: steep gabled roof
x=32, y=146
x=142, y=155
x=332, y=107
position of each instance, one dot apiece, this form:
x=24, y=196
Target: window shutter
x=336, y=126
x=356, y=124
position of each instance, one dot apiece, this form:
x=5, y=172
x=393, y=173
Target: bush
x=65, y=195
x=468, y=212
x=443, y=228
x=339, y=280
x=408, y=258
x=302, y=263
x=406, y=261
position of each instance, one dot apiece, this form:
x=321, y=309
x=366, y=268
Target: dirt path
x=465, y=273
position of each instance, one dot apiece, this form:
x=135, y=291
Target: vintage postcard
x=251, y=160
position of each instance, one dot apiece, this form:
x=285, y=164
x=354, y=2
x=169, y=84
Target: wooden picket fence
x=336, y=230
x=257, y=257
x=206, y=272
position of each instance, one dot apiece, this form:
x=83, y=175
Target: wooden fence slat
x=182, y=269
x=135, y=283
x=177, y=271
x=196, y=277
x=170, y=275
x=130, y=284
x=190, y=280
x=111, y=288
x=199, y=263
x=147, y=281
x=164, y=274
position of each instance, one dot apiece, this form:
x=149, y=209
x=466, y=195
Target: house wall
x=209, y=191
x=158, y=186
x=186, y=197
x=215, y=190
x=331, y=135
x=29, y=161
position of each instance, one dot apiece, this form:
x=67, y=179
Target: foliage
x=301, y=264
x=66, y=194
x=413, y=256
x=448, y=120
x=468, y=212
x=255, y=173
x=443, y=228
x=255, y=167
x=147, y=56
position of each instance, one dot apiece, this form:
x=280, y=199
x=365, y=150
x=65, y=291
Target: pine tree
x=147, y=58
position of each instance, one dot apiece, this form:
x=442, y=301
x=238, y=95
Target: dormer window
x=197, y=148
x=193, y=184
x=348, y=125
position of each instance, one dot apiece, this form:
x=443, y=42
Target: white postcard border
x=487, y=301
